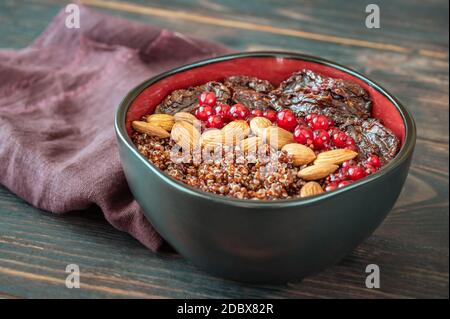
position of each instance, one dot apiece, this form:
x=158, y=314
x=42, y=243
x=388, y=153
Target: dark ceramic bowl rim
x=402, y=156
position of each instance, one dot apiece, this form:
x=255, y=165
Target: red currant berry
x=356, y=173
x=339, y=139
x=257, y=113
x=331, y=187
x=286, y=119
x=334, y=178
x=239, y=112
x=321, y=139
x=351, y=145
x=223, y=110
x=348, y=164
x=342, y=174
x=270, y=115
x=350, y=141
x=310, y=117
x=203, y=112
x=207, y=98
x=303, y=135
x=215, y=121
x=370, y=169
x=344, y=183
x=333, y=130
x=320, y=122
x=374, y=161
x=330, y=123
x=301, y=121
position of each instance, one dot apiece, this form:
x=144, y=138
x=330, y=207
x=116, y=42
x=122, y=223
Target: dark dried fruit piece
x=253, y=83
x=251, y=99
x=222, y=93
x=306, y=92
x=186, y=100
x=372, y=137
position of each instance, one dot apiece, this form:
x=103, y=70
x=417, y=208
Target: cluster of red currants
x=315, y=130
x=216, y=115
x=319, y=133
x=351, y=171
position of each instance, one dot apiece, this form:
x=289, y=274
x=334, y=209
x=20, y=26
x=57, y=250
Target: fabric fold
x=57, y=102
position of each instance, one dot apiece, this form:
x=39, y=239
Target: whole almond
x=235, y=131
x=250, y=144
x=258, y=124
x=164, y=121
x=317, y=171
x=185, y=135
x=212, y=138
x=337, y=156
x=301, y=154
x=277, y=137
x=187, y=117
x=149, y=129
x=311, y=189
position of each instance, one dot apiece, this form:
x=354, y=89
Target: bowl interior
x=273, y=69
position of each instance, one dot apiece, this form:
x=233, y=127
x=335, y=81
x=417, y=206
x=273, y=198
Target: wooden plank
x=301, y=20
x=419, y=81
x=38, y=247
x=411, y=247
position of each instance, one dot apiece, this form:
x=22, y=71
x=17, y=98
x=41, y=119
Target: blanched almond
x=277, y=137
x=149, y=129
x=258, y=124
x=317, y=171
x=311, y=189
x=212, y=138
x=187, y=117
x=164, y=121
x=250, y=144
x=337, y=156
x=185, y=135
x=301, y=154
x=235, y=131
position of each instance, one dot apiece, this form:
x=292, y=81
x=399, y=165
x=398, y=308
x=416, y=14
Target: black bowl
x=262, y=241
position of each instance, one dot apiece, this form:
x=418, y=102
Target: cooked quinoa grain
x=242, y=178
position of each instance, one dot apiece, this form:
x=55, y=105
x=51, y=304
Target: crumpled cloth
x=57, y=102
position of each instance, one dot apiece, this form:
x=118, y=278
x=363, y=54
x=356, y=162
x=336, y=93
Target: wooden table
x=408, y=55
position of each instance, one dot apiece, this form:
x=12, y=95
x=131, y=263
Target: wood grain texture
x=408, y=55
x=306, y=19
